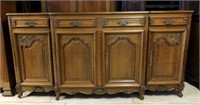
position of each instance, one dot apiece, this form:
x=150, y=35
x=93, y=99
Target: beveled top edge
x=176, y=11
x=78, y=13
x=100, y=13
x=32, y=14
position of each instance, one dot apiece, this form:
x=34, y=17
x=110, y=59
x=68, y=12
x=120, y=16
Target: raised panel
x=123, y=21
x=30, y=21
x=76, y=59
x=164, y=60
x=165, y=56
x=75, y=23
x=34, y=58
x=168, y=20
x=123, y=58
x=123, y=50
x=76, y=65
x=34, y=22
x=35, y=62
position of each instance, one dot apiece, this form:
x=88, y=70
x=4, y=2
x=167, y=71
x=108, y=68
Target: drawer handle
x=75, y=23
x=30, y=23
x=123, y=22
x=168, y=21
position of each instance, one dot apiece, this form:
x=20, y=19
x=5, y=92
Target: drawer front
x=30, y=22
x=168, y=20
x=75, y=22
x=123, y=22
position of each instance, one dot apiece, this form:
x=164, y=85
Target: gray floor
x=191, y=96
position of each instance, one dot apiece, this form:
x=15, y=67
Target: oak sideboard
x=100, y=52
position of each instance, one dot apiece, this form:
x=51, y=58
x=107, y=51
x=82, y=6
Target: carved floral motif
x=99, y=91
x=65, y=41
x=121, y=38
x=171, y=38
x=38, y=89
x=26, y=41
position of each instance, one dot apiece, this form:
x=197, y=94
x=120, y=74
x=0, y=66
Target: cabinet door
x=122, y=58
x=33, y=58
x=75, y=59
x=165, y=56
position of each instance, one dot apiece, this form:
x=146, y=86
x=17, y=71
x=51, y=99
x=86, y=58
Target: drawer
x=34, y=22
x=168, y=20
x=75, y=22
x=123, y=22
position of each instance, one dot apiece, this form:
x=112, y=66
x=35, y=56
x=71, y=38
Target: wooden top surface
x=101, y=13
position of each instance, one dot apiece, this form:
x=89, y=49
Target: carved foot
x=179, y=93
x=57, y=92
x=142, y=89
x=180, y=89
x=57, y=97
x=7, y=92
x=20, y=94
x=19, y=90
x=141, y=97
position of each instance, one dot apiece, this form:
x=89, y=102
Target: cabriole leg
x=19, y=90
x=142, y=89
x=180, y=89
x=57, y=92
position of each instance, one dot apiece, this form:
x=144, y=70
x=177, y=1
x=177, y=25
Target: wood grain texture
x=80, y=6
x=93, y=6
x=122, y=58
x=76, y=55
x=78, y=51
x=32, y=55
x=167, y=50
x=7, y=77
x=61, y=6
x=103, y=52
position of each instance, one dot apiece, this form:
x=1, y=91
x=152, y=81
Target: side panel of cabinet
x=165, y=56
x=33, y=58
x=3, y=62
x=122, y=58
x=75, y=59
x=7, y=75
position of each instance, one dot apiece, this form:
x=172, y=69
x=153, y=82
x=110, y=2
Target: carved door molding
x=76, y=59
x=122, y=58
x=165, y=55
x=33, y=58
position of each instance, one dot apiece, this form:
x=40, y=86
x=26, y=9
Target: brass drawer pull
x=123, y=22
x=75, y=23
x=105, y=22
x=30, y=23
x=168, y=21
